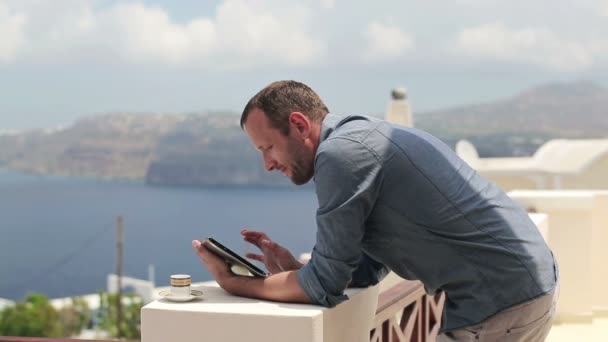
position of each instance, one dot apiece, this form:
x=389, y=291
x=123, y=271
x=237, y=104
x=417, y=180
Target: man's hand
x=276, y=258
x=218, y=268
x=282, y=287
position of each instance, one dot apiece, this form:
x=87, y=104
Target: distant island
x=210, y=149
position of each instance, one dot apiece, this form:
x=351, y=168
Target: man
x=394, y=198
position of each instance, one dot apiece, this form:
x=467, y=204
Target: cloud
x=249, y=32
x=246, y=34
x=240, y=34
x=538, y=46
x=604, y=8
x=11, y=33
x=140, y=34
x=327, y=4
x=385, y=42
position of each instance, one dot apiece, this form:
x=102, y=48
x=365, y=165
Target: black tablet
x=233, y=258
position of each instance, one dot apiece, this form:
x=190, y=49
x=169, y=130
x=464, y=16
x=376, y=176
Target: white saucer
x=193, y=294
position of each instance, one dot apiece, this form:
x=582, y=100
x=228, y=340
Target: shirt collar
x=328, y=125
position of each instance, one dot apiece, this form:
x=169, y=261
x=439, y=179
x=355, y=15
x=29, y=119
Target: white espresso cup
x=180, y=285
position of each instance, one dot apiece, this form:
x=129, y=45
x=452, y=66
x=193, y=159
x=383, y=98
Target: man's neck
x=315, y=135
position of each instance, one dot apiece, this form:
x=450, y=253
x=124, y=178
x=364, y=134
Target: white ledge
x=219, y=316
x=543, y=200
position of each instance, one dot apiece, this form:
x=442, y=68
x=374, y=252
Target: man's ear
x=301, y=123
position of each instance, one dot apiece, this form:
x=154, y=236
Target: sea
x=58, y=236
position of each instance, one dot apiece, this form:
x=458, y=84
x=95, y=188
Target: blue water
x=58, y=235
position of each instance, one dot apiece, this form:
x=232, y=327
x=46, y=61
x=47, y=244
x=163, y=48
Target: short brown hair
x=281, y=98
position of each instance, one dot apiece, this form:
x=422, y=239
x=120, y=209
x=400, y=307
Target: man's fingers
x=268, y=245
x=214, y=264
x=203, y=252
x=253, y=234
x=249, y=231
x=198, y=247
x=257, y=257
x=255, y=242
x=251, y=239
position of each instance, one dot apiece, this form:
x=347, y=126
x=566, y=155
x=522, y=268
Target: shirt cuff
x=312, y=286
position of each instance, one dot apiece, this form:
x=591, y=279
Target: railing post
x=420, y=314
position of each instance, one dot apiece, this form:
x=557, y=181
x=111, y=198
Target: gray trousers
x=529, y=321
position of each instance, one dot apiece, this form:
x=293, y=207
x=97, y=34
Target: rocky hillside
x=211, y=149
x=518, y=125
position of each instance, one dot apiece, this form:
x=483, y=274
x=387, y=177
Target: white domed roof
x=555, y=156
x=467, y=151
x=570, y=156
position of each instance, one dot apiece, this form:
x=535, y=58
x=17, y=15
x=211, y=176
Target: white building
x=5, y=302
x=558, y=164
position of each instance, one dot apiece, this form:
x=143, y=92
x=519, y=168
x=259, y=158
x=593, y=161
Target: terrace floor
x=597, y=331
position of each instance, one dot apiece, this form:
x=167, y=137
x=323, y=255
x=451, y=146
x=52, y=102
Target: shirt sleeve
x=347, y=181
x=368, y=273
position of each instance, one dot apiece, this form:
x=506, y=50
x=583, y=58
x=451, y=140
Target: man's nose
x=269, y=164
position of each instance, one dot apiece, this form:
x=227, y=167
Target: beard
x=300, y=172
x=302, y=169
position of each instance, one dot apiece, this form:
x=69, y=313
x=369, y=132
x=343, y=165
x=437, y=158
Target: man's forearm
x=279, y=287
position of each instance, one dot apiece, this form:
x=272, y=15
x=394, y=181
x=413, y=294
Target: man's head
x=284, y=121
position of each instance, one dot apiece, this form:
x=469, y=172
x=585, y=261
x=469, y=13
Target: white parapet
x=144, y=288
x=541, y=221
x=219, y=316
x=599, y=257
x=578, y=227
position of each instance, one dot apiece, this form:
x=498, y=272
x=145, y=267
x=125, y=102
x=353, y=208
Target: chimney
x=399, y=111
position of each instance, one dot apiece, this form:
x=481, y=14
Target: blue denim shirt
x=396, y=198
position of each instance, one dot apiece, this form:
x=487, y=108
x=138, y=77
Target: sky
x=65, y=59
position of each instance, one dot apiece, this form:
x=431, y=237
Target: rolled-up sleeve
x=368, y=273
x=347, y=181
